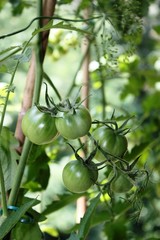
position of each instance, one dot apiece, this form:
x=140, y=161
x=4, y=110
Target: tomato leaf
x=8, y=156
x=73, y=236
x=7, y=66
x=24, y=57
x=116, y=229
x=86, y=220
x=37, y=172
x=136, y=151
x=14, y=217
x=157, y=29
x=26, y=231
x=9, y=49
x=64, y=200
x=59, y=25
x=85, y=223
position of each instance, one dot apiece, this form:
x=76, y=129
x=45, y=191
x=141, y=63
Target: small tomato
x=38, y=127
x=79, y=177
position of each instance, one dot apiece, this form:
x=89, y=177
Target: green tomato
x=74, y=124
x=79, y=177
x=121, y=184
x=110, y=141
x=38, y=127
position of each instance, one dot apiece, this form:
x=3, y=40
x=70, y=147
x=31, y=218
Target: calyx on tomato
x=72, y=120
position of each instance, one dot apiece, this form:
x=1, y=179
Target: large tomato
x=38, y=127
x=110, y=141
x=74, y=123
x=79, y=177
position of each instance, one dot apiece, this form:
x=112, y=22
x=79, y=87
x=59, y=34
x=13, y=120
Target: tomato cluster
x=41, y=127
x=107, y=144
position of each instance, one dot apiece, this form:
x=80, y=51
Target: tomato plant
x=106, y=67
x=74, y=123
x=79, y=177
x=39, y=127
x=110, y=141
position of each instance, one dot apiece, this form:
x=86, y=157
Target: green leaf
x=157, y=29
x=86, y=220
x=60, y=2
x=45, y=28
x=9, y=49
x=137, y=151
x=36, y=152
x=116, y=229
x=24, y=57
x=134, y=85
x=64, y=200
x=14, y=217
x=101, y=217
x=18, y=6
x=60, y=25
x=2, y=3
x=37, y=170
x=7, y=66
x=8, y=156
x=151, y=102
x=73, y=236
x=22, y=199
x=3, y=68
x=26, y=232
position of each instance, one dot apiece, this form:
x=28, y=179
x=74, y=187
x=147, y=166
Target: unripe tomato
x=110, y=141
x=75, y=124
x=79, y=177
x=38, y=127
x=121, y=184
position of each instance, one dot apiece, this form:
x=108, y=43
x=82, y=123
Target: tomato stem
x=2, y=184
x=28, y=144
x=2, y=187
x=76, y=152
x=52, y=85
x=20, y=171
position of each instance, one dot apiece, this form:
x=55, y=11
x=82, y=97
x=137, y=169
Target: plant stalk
x=27, y=144
x=16, y=185
x=3, y=192
x=2, y=182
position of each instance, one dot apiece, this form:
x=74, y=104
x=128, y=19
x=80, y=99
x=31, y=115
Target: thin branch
x=49, y=18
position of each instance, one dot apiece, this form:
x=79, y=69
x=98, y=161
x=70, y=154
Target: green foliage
x=124, y=75
x=14, y=217
x=27, y=231
x=2, y=3
x=86, y=221
x=62, y=201
x=37, y=174
x=8, y=157
x=116, y=229
x=19, y=5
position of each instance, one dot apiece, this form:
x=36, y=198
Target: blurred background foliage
x=124, y=75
